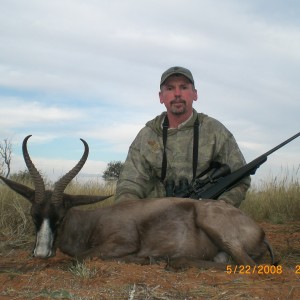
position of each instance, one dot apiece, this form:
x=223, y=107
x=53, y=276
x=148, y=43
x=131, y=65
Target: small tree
x=113, y=171
x=5, y=157
x=21, y=176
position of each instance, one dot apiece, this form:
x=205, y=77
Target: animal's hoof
x=177, y=265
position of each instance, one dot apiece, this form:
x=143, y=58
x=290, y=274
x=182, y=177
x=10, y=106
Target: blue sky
x=91, y=69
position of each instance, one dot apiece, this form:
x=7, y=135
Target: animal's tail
x=269, y=247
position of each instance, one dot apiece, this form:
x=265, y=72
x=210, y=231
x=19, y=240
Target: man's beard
x=178, y=110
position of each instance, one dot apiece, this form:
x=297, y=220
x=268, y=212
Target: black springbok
x=185, y=231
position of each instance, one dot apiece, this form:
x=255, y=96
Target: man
x=179, y=143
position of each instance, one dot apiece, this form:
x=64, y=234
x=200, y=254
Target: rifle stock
x=227, y=182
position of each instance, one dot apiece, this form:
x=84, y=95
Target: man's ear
x=21, y=189
x=161, y=97
x=196, y=95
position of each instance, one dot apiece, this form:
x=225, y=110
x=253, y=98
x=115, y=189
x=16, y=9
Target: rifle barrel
x=282, y=144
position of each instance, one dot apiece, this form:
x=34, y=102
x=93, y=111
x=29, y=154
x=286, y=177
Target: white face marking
x=44, y=241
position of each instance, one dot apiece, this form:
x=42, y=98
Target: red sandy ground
x=24, y=277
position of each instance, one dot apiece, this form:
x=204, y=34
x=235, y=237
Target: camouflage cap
x=177, y=70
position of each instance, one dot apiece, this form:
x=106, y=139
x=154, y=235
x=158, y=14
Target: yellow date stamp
x=259, y=269
x=297, y=269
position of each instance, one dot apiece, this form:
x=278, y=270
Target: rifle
x=222, y=179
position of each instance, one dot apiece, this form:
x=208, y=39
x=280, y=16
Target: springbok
x=184, y=231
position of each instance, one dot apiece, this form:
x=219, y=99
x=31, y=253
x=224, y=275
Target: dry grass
x=82, y=270
x=16, y=227
x=275, y=200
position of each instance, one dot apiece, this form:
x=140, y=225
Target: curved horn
x=35, y=174
x=62, y=183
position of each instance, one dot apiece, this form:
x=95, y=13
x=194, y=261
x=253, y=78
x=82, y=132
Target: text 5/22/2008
x=257, y=269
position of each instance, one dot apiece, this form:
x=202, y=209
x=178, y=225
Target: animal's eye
x=37, y=221
x=54, y=223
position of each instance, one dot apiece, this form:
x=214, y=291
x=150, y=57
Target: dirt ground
x=24, y=277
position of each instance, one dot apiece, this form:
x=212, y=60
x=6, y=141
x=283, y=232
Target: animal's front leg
x=184, y=263
x=133, y=258
x=110, y=250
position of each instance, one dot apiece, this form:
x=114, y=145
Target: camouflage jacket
x=140, y=177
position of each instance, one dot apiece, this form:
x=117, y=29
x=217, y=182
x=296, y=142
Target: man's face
x=178, y=94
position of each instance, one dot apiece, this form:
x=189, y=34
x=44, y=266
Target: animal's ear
x=76, y=200
x=21, y=189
